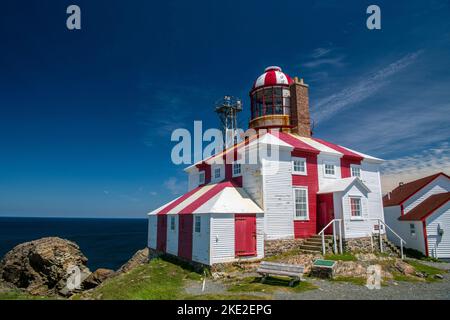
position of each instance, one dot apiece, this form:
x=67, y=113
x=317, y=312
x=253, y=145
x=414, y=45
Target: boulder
x=404, y=268
x=350, y=269
x=45, y=266
x=139, y=258
x=96, y=278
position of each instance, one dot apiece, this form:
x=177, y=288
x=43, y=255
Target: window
x=299, y=166
x=355, y=205
x=356, y=171
x=268, y=101
x=301, y=203
x=412, y=230
x=216, y=173
x=201, y=177
x=172, y=223
x=198, y=224
x=236, y=169
x=329, y=170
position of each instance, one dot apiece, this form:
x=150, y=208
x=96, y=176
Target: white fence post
x=323, y=243
x=340, y=236
x=379, y=234
x=334, y=238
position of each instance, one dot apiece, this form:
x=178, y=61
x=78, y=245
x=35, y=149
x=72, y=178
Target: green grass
x=271, y=285
x=431, y=271
x=341, y=257
x=404, y=278
x=360, y=281
x=156, y=280
x=19, y=295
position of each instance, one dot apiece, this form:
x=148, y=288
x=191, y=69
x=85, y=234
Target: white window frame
x=199, y=220
x=328, y=175
x=215, y=170
x=240, y=170
x=354, y=166
x=352, y=217
x=172, y=223
x=306, y=218
x=201, y=177
x=304, y=172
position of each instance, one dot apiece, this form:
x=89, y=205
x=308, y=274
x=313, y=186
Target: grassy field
x=271, y=285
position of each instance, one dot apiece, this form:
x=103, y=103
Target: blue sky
x=86, y=116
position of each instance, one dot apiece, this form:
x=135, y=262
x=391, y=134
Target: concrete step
x=311, y=247
x=318, y=241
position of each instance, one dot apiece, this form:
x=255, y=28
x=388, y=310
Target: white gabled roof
x=342, y=185
x=162, y=207
x=365, y=156
x=230, y=200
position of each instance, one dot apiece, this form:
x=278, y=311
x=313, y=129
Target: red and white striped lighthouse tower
x=280, y=102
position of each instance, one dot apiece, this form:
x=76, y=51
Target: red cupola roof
x=272, y=76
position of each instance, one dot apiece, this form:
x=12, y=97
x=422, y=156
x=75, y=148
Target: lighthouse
x=280, y=102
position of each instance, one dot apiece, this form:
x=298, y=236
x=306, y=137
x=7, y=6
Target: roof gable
x=427, y=207
x=339, y=185
x=404, y=192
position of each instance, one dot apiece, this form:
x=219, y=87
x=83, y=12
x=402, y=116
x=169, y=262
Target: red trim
x=425, y=236
x=325, y=212
x=402, y=210
x=178, y=201
x=207, y=169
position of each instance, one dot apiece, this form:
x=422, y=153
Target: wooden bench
x=293, y=271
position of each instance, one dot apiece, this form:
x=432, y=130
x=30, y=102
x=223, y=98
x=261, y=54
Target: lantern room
x=270, y=100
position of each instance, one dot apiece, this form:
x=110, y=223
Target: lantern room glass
x=270, y=101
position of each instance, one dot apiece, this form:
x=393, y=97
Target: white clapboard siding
x=172, y=235
x=356, y=228
x=222, y=238
x=331, y=159
x=215, y=166
x=152, y=231
x=370, y=175
x=252, y=182
x=439, y=246
x=278, y=196
x=193, y=179
x=439, y=185
x=200, y=240
x=403, y=229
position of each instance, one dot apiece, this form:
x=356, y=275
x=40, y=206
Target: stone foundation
x=364, y=245
x=274, y=247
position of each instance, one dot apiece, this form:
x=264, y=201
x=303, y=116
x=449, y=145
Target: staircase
x=388, y=245
x=314, y=244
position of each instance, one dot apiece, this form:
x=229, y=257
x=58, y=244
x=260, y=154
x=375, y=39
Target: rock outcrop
x=96, y=278
x=139, y=258
x=45, y=266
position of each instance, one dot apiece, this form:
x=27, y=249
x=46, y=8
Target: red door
x=245, y=235
x=185, y=230
x=326, y=212
x=161, y=236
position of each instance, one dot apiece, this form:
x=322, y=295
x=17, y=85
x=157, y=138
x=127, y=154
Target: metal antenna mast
x=228, y=109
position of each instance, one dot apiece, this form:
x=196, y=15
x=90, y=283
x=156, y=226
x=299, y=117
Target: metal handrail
x=322, y=232
x=395, y=233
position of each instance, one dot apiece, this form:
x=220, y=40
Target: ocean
x=107, y=243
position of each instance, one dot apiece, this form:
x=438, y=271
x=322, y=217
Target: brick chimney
x=300, y=119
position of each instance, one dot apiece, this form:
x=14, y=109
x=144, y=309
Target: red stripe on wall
x=425, y=236
x=346, y=162
x=185, y=230
x=305, y=229
x=207, y=169
x=161, y=235
x=296, y=143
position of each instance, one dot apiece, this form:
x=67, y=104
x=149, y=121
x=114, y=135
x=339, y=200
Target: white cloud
x=415, y=166
x=175, y=186
x=153, y=193
x=328, y=106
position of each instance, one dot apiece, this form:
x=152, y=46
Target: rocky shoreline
x=56, y=267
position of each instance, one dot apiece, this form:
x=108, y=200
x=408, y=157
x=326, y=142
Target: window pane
x=301, y=203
